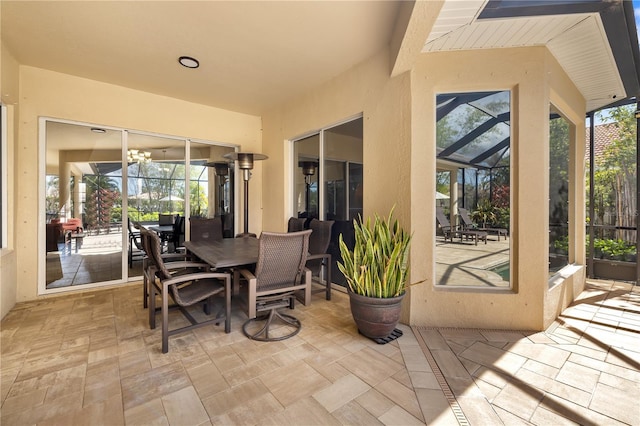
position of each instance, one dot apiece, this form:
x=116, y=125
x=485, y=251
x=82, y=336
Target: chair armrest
x=319, y=256
x=197, y=276
x=247, y=274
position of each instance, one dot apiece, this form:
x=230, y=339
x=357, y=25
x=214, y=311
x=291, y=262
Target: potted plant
x=376, y=274
x=485, y=213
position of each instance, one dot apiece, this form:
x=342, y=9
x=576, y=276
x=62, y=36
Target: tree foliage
x=615, y=176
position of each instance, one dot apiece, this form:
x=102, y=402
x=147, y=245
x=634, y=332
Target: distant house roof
x=603, y=135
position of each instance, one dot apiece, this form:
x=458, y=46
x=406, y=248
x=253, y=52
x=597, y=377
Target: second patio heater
x=245, y=163
x=308, y=170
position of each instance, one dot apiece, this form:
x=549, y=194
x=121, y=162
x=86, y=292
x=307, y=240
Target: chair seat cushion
x=196, y=291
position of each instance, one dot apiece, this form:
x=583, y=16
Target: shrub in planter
x=376, y=269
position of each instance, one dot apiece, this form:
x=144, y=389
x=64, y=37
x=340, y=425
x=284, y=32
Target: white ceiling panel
x=578, y=42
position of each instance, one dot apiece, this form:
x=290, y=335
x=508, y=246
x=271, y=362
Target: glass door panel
x=83, y=199
x=156, y=192
x=211, y=184
x=305, y=176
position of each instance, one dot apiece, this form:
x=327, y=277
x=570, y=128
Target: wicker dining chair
x=205, y=229
x=296, y=224
x=186, y=288
x=148, y=268
x=280, y=273
x=318, y=259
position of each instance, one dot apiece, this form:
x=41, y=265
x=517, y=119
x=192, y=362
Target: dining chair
x=280, y=274
x=296, y=224
x=318, y=258
x=135, y=242
x=148, y=271
x=176, y=238
x=186, y=283
x=205, y=229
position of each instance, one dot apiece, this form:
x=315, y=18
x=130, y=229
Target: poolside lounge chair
x=468, y=224
x=450, y=232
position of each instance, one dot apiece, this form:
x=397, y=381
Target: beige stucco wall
x=529, y=73
x=46, y=93
x=399, y=158
x=8, y=263
x=385, y=105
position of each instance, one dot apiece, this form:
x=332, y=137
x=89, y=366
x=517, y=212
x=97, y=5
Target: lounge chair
x=450, y=232
x=469, y=225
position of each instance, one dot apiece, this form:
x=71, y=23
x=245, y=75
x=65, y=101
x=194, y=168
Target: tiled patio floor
x=92, y=359
x=584, y=369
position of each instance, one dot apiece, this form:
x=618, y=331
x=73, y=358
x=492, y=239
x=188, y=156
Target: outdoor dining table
x=161, y=229
x=225, y=253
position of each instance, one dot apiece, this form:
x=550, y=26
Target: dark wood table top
x=161, y=228
x=227, y=252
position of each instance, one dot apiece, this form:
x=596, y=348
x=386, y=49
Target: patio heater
x=245, y=163
x=308, y=170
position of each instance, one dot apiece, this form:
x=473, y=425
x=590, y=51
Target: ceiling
x=254, y=55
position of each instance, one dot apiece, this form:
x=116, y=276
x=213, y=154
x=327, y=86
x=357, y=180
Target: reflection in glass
x=83, y=205
x=558, y=193
x=305, y=178
x=473, y=189
x=211, y=184
x=84, y=191
x=339, y=170
x=343, y=171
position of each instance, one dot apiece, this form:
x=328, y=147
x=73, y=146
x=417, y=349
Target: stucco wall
x=385, y=104
x=46, y=93
x=527, y=73
x=399, y=159
x=9, y=90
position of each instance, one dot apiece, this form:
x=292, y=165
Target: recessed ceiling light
x=189, y=62
x=98, y=130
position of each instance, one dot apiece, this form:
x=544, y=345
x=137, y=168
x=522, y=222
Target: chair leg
x=165, y=319
x=152, y=306
x=145, y=291
x=327, y=273
x=227, y=304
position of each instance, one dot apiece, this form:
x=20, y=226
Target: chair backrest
x=166, y=219
x=321, y=236
x=465, y=218
x=281, y=259
x=177, y=237
x=133, y=235
x=154, y=253
x=206, y=229
x=295, y=224
x=442, y=219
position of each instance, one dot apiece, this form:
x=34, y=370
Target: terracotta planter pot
x=376, y=318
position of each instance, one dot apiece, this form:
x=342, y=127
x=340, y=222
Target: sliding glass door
x=101, y=184
x=327, y=181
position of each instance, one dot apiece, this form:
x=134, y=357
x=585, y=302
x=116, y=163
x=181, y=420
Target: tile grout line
x=451, y=399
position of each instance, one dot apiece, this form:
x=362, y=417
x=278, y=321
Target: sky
x=636, y=10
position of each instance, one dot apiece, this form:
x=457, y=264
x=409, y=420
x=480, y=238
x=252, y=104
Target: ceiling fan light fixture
x=188, y=62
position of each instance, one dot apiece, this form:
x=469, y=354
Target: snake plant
x=377, y=265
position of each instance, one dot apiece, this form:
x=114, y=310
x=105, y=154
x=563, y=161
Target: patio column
x=64, y=190
x=453, y=201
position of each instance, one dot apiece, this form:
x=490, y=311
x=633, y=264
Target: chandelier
x=137, y=156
